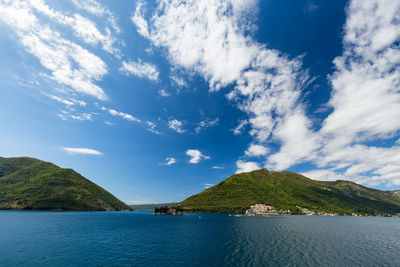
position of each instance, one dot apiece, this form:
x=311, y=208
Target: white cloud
x=123, y=115
x=62, y=100
x=179, y=81
x=255, y=150
x=197, y=37
x=209, y=37
x=68, y=102
x=323, y=175
x=218, y=167
x=196, y=156
x=176, y=125
x=207, y=185
x=206, y=123
x=97, y=9
x=246, y=166
x=82, y=117
x=76, y=150
x=82, y=27
x=142, y=70
x=163, y=93
x=152, y=127
x=139, y=21
x=365, y=101
x=238, y=129
x=68, y=63
x=169, y=161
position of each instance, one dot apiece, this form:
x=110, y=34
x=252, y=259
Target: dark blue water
x=143, y=239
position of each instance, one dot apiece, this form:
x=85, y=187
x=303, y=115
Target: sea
x=139, y=238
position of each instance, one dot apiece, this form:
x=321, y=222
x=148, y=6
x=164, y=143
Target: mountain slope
x=28, y=183
x=286, y=190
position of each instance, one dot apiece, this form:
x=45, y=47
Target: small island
x=165, y=210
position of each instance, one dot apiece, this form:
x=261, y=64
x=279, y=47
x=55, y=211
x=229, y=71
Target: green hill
x=32, y=184
x=287, y=190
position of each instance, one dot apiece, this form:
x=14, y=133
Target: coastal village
x=265, y=210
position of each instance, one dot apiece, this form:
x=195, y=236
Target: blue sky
x=155, y=101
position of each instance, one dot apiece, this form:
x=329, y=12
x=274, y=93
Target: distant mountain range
x=32, y=184
x=152, y=206
x=291, y=191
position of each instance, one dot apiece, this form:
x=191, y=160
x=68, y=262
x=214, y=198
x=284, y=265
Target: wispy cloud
x=68, y=63
x=139, y=21
x=152, y=127
x=123, y=115
x=163, y=93
x=179, y=81
x=239, y=129
x=68, y=102
x=82, y=117
x=140, y=69
x=195, y=156
x=99, y=10
x=218, y=167
x=268, y=85
x=78, y=150
x=176, y=125
x=206, y=123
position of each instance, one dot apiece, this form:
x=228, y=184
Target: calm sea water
x=142, y=239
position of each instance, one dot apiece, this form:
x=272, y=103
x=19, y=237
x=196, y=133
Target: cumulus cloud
x=255, y=150
x=68, y=63
x=169, y=161
x=140, y=69
x=77, y=150
x=195, y=156
x=176, y=125
x=243, y=166
x=210, y=39
x=197, y=37
x=365, y=101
